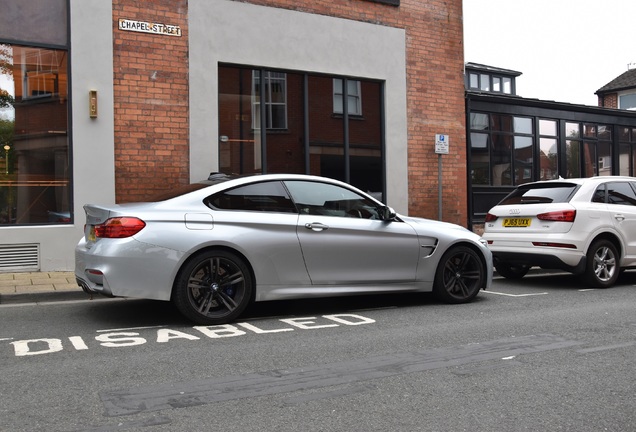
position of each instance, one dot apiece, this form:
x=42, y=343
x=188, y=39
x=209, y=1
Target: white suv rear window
x=545, y=193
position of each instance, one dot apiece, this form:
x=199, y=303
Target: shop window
x=583, y=156
x=548, y=149
x=501, y=149
x=308, y=138
x=627, y=146
x=35, y=177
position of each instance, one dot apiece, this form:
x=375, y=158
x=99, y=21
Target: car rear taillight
x=558, y=216
x=490, y=217
x=119, y=227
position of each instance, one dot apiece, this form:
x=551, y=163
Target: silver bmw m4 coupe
x=226, y=242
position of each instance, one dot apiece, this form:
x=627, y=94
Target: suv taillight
x=490, y=217
x=119, y=227
x=558, y=216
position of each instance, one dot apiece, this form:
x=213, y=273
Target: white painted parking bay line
x=515, y=295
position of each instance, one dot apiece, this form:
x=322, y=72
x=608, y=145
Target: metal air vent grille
x=20, y=257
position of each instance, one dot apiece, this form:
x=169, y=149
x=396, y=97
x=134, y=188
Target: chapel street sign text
x=149, y=27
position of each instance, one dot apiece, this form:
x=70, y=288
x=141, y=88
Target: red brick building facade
x=151, y=100
x=152, y=105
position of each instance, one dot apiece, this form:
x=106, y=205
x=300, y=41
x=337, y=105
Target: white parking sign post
x=441, y=147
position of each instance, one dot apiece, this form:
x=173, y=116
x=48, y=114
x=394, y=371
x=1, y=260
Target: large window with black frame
x=276, y=121
x=588, y=149
x=501, y=149
x=627, y=149
x=34, y=142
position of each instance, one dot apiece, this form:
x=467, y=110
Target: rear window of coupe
x=265, y=196
x=541, y=194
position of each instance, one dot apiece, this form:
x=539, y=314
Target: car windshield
x=541, y=193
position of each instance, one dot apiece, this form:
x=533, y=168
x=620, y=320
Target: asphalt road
x=540, y=354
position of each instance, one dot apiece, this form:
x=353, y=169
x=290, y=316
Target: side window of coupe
x=330, y=200
x=266, y=196
x=620, y=193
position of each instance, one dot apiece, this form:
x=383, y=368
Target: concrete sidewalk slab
x=39, y=287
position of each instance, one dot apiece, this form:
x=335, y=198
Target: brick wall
x=151, y=100
x=609, y=100
x=151, y=123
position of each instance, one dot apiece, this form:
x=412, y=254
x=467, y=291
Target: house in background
x=484, y=78
x=619, y=93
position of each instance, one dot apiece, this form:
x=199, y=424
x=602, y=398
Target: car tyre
x=511, y=271
x=213, y=287
x=460, y=275
x=601, y=267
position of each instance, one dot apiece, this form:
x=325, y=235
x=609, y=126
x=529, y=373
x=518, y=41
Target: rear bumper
x=126, y=268
x=574, y=264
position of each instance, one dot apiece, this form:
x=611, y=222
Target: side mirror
x=387, y=213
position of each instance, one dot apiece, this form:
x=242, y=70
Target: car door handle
x=316, y=226
x=619, y=217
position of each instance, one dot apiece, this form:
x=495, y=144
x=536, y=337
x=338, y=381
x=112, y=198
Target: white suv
x=586, y=226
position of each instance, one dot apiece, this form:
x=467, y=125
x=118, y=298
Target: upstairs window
x=627, y=101
x=490, y=83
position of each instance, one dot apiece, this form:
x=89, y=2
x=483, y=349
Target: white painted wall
x=92, y=139
x=224, y=31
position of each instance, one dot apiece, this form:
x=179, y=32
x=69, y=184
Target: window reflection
x=573, y=159
x=299, y=140
x=627, y=158
x=485, y=82
x=523, y=125
x=524, y=159
x=572, y=130
x=239, y=146
x=479, y=121
x=507, y=85
x=501, y=160
x=604, y=157
x=34, y=182
x=505, y=155
x=548, y=153
x=548, y=127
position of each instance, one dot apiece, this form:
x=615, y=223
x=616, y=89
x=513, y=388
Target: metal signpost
x=441, y=147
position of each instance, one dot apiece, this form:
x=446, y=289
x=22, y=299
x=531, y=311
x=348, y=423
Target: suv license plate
x=516, y=222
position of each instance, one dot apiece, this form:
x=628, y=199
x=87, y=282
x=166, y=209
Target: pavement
x=38, y=287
